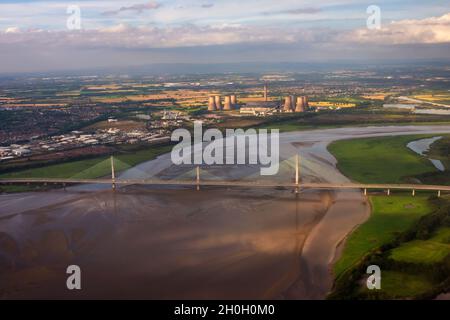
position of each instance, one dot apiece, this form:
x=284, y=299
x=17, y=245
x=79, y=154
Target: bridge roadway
x=225, y=183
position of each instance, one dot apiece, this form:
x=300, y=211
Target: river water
x=422, y=146
x=229, y=243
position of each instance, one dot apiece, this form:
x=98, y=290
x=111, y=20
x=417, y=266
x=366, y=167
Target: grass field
x=90, y=168
x=442, y=235
x=390, y=215
x=379, y=160
x=402, y=285
x=420, y=252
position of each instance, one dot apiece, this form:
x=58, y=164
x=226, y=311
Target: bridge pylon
x=197, y=169
x=113, y=174
x=297, y=173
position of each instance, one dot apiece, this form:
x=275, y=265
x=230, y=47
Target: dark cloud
x=138, y=8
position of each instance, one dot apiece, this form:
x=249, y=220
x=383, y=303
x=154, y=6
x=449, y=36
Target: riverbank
x=391, y=216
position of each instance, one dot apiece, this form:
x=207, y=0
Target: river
x=216, y=243
x=422, y=146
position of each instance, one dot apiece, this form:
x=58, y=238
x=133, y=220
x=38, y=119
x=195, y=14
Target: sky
x=52, y=35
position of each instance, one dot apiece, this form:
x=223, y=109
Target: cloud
x=138, y=8
x=299, y=11
x=412, y=31
x=12, y=30
x=124, y=44
x=207, y=5
x=423, y=31
x=432, y=30
x=146, y=37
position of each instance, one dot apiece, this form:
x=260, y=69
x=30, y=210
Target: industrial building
x=258, y=111
x=266, y=94
x=259, y=108
x=266, y=107
x=215, y=103
x=301, y=104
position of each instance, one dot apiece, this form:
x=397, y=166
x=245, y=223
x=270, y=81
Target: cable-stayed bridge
x=296, y=184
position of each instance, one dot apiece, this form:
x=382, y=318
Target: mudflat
x=179, y=243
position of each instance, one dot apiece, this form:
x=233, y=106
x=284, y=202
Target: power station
x=215, y=103
x=289, y=104
x=300, y=105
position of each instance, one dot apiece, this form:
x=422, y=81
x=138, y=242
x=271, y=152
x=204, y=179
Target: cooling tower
x=287, y=104
x=212, y=104
x=227, y=105
x=218, y=103
x=305, y=102
x=292, y=103
x=300, y=106
x=233, y=100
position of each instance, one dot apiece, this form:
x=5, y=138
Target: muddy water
x=143, y=243
x=140, y=242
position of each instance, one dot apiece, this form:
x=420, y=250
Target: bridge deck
x=224, y=183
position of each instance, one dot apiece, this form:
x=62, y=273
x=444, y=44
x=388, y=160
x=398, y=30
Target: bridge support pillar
x=64, y=186
x=365, y=191
x=113, y=174
x=388, y=192
x=413, y=192
x=198, y=177
x=439, y=193
x=297, y=173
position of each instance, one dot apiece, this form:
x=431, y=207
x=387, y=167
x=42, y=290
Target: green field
x=90, y=168
x=388, y=160
x=379, y=160
x=390, y=215
x=442, y=235
x=420, y=252
x=399, y=285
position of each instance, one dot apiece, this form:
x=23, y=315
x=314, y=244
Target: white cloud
x=427, y=31
x=126, y=36
x=422, y=31
x=12, y=30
